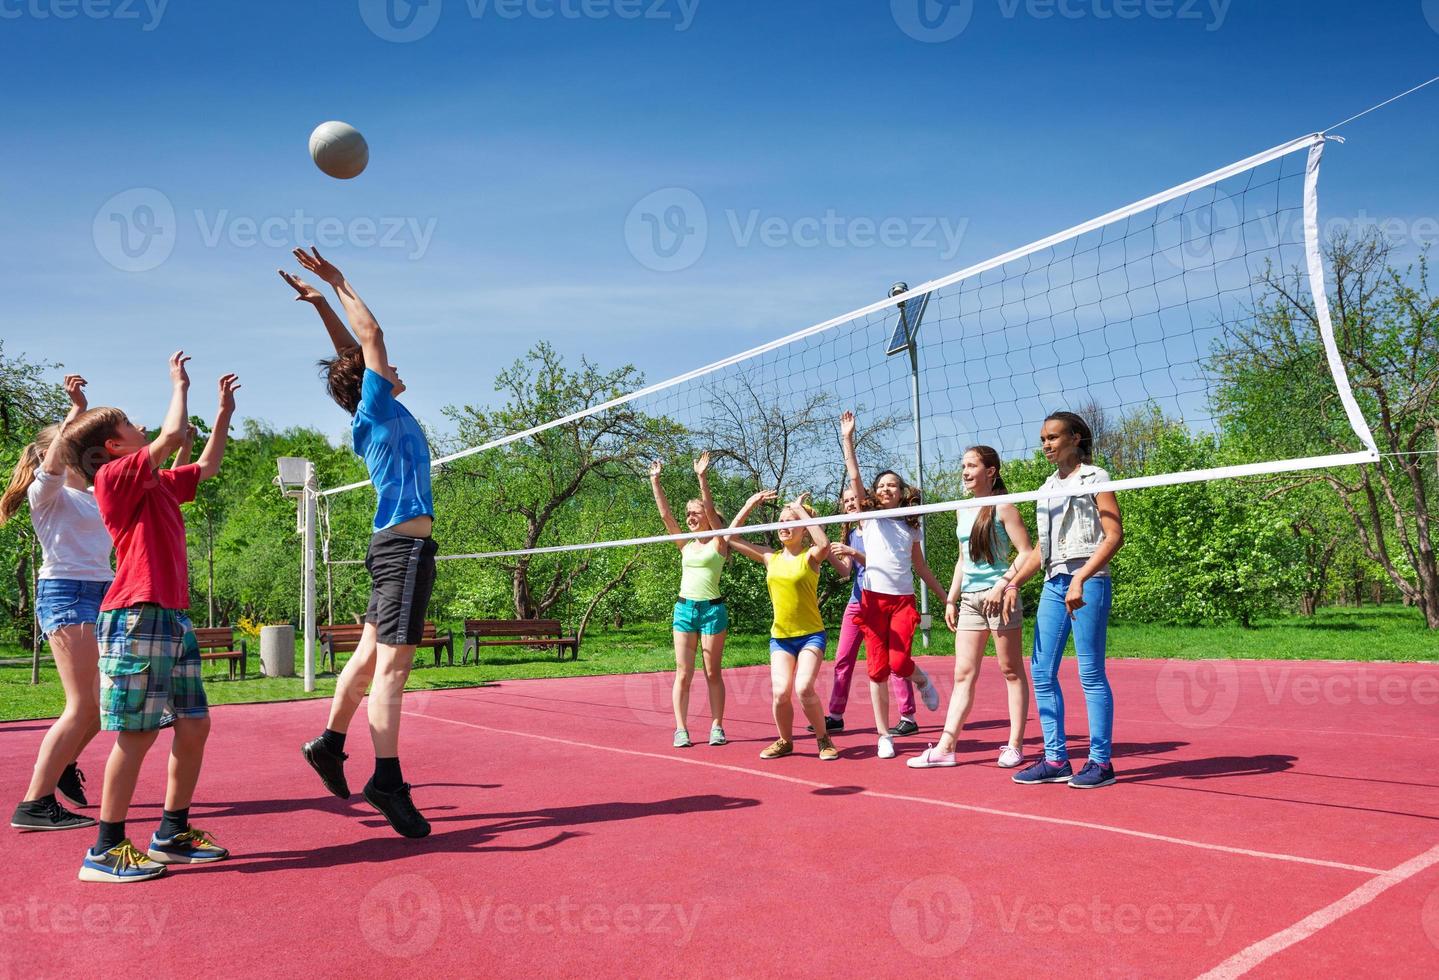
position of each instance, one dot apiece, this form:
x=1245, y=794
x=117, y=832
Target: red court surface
x=1272, y=819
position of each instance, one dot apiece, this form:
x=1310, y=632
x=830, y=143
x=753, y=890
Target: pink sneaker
x=932, y=758
x=1009, y=757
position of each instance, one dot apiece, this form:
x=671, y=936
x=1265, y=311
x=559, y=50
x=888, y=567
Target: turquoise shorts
x=792, y=645
x=707, y=616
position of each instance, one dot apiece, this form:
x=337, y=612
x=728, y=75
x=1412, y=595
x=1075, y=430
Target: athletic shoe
x=399, y=809
x=781, y=746
x=190, y=846
x=717, y=736
x=72, y=784
x=682, y=739
x=927, y=692
x=1009, y=757
x=48, y=814
x=329, y=764
x=886, y=747
x=906, y=726
x=121, y=864
x=1044, y=771
x=932, y=758
x=833, y=724
x=827, y=751
x=1093, y=776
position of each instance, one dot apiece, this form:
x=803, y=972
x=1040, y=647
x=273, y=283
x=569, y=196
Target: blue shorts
x=707, y=616
x=62, y=602
x=792, y=645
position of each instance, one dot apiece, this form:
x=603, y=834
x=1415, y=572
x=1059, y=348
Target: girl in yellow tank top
x=797, y=638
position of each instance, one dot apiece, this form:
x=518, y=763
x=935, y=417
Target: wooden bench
x=220, y=642
x=517, y=632
x=345, y=637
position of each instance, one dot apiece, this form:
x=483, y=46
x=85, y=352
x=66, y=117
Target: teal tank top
x=979, y=576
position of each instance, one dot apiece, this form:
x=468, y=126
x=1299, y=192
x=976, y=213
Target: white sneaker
x=886, y=747
x=931, y=758
x=927, y=692
x=1009, y=757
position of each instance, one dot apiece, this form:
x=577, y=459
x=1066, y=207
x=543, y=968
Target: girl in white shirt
x=893, y=553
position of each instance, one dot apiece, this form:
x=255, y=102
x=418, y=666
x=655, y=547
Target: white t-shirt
x=888, y=556
x=73, y=539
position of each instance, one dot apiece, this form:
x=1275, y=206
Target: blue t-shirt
x=856, y=541
x=395, y=452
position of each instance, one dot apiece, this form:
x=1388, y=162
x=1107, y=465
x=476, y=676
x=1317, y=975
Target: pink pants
x=850, y=635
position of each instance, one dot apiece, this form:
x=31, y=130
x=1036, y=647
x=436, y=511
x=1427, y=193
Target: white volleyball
x=339, y=150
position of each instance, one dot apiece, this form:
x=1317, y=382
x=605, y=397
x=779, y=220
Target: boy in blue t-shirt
x=401, y=557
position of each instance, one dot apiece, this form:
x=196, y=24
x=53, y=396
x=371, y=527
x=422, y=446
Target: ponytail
x=981, y=532
x=30, y=459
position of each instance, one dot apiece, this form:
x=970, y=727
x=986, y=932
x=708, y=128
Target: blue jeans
x=1052, y=627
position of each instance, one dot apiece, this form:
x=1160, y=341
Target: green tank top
x=700, y=570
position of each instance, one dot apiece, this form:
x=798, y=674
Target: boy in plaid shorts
x=149, y=662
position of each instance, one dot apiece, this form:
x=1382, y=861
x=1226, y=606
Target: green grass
x=1366, y=633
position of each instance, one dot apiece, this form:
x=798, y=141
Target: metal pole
x=924, y=618
x=34, y=615
x=308, y=502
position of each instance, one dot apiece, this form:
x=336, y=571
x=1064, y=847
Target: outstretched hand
x=656, y=468
x=229, y=384
x=846, y=424
x=307, y=293
x=75, y=389
x=179, y=377
x=702, y=464
x=763, y=497
x=314, y=262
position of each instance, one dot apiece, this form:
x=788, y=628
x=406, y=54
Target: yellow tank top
x=700, y=566
x=794, y=591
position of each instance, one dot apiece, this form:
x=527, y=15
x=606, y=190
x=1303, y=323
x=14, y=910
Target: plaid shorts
x=149, y=667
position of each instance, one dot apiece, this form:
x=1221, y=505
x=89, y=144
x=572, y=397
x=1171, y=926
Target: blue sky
x=512, y=141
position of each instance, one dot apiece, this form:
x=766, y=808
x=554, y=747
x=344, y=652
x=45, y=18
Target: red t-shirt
x=141, y=509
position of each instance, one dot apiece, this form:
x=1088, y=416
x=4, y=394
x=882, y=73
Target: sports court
x=1269, y=822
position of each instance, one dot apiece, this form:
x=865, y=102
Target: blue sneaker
x=187, y=847
x=1045, y=771
x=121, y=864
x=1093, y=776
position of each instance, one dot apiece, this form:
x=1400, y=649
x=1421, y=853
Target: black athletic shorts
x=402, y=576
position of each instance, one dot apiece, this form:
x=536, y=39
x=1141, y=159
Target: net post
x=309, y=497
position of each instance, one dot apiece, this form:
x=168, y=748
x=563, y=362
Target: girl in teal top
x=983, y=599
x=700, y=617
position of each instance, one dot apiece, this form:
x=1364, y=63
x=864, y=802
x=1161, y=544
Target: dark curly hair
x=343, y=375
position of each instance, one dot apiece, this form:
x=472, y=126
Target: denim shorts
x=707, y=616
x=792, y=645
x=62, y=602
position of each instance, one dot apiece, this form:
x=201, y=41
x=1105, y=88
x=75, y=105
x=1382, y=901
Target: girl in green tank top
x=700, y=617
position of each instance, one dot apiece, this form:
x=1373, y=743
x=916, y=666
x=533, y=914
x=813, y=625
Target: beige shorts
x=972, y=617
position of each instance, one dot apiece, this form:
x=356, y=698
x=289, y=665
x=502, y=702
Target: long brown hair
x=908, y=495
x=981, y=533
x=30, y=459
x=85, y=438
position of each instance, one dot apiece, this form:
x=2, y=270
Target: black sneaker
x=72, y=784
x=48, y=814
x=329, y=764
x=906, y=726
x=398, y=809
x=832, y=724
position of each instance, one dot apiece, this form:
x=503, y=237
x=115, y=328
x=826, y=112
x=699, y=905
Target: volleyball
x=339, y=150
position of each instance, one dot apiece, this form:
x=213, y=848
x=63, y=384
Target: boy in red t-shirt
x=149, y=661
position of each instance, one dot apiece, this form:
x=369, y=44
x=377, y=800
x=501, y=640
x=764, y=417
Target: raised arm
x=220, y=431
x=663, y=503
x=851, y=460
x=340, y=334
x=367, y=328
x=182, y=458
x=757, y=552
x=54, y=464
x=172, y=430
x=707, y=500
x=821, y=549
